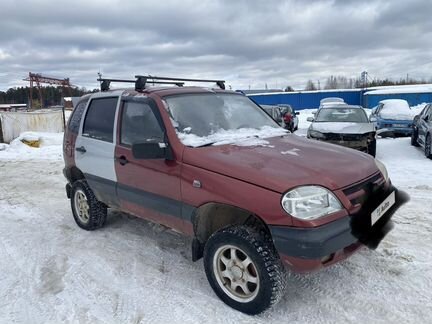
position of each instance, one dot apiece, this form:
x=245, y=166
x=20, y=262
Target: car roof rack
x=220, y=83
x=142, y=80
x=105, y=83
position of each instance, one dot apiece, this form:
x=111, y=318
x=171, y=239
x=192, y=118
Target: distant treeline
x=342, y=82
x=51, y=95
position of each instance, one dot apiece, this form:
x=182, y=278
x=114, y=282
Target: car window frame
x=153, y=107
x=87, y=110
x=76, y=111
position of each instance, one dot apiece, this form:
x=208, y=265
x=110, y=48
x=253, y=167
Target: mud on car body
x=254, y=198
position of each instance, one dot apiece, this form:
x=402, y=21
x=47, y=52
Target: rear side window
x=75, y=119
x=99, y=122
x=139, y=124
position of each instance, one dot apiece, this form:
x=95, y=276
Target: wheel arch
x=211, y=217
x=74, y=174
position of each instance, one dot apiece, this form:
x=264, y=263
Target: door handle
x=81, y=149
x=122, y=160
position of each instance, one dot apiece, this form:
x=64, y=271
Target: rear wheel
x=414, y=137
x=428, y=146
x=88, y=212
x=244, y=269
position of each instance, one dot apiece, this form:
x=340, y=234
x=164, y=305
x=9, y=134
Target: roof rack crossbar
x=139, y=83
x=220, y=83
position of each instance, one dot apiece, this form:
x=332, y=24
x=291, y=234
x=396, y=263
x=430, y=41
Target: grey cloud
x=246, y=42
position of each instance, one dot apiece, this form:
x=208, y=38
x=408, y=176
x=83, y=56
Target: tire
x=92, y=214
x=428, y=146
x=414, y=137
x=371, y=149
x=258, y=284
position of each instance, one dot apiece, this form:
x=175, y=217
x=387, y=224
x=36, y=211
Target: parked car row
x=284, y=115
x=339, y=123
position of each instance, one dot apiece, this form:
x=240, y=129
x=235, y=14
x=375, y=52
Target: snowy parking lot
x=133, y=271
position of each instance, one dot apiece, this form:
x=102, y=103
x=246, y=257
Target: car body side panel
x=234, y=193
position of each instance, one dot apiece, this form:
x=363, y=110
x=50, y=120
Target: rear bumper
x=405, y=131
x=308, y=249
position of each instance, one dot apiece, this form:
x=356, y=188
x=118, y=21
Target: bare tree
x=310, y=86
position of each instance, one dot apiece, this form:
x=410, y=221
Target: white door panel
x=98, y=160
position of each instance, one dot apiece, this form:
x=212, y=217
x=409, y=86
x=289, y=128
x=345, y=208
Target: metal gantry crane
x=37, y=78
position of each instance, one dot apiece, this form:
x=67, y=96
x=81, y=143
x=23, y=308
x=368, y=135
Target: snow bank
x=50, y=147
x=241, y=137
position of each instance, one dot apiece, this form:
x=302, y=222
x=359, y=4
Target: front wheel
x=428, y=146
x=244, y=269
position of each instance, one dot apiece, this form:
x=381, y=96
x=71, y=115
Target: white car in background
x=331, y=101
x=344, y=125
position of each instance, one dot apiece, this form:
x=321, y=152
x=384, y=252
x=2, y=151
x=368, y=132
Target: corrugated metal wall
x=311, y=99
x=307, y=100
x=371, y=100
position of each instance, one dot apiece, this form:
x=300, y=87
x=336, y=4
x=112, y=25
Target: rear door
x=149, y=188
x=95, y=146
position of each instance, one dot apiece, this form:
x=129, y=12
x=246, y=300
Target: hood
x=342, y=128
x=285, y=162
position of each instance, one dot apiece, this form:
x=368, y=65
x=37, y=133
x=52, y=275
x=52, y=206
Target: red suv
x=253, y=197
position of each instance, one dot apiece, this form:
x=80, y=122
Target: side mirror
x=310, y=119
x=373, y=119
x=151, y=150
x=297, y=113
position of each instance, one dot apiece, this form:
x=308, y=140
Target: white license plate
x=382, y=208
x=399, y=125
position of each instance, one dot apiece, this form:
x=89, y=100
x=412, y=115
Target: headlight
x=382, y=169
x=316, y=134
x=310, y=202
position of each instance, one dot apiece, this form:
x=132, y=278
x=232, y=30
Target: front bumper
x=308, y=249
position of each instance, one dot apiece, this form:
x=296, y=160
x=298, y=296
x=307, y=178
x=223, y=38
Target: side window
x=99, y=121
x=75, y=119
x=139, y=124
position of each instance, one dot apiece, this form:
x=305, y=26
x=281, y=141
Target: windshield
x=350, y=115
x=213, y=118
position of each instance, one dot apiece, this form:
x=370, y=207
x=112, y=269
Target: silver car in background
x=344, y=125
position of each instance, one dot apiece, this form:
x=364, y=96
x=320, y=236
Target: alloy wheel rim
x=82, y=206
x=236, y=273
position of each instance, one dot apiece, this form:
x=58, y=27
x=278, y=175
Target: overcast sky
x=248, y=43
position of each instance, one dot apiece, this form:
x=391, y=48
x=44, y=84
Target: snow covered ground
x=132, y=271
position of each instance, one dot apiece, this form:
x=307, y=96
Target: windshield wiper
x=206, y=144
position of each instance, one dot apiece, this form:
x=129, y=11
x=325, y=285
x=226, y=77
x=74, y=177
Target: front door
x=147, y=188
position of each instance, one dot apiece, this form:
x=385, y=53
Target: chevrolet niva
x=210, y=163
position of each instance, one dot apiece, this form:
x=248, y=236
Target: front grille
x=359, y=193
x=344, y=137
